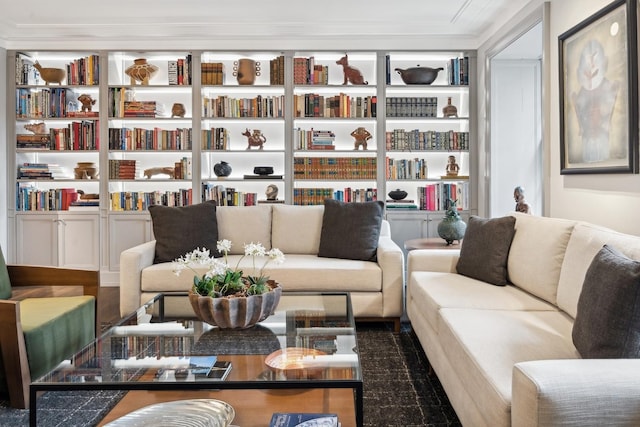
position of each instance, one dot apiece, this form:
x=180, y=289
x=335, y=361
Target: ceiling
x=30, y=23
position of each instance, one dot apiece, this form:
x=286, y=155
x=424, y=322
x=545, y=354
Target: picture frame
x=599, y=92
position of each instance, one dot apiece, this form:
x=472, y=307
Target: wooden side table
x=430, y=243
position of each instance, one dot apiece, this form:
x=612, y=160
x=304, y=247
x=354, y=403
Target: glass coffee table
x=303, y=358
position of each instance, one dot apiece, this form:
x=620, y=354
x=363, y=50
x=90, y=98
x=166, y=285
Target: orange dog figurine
x=351, y=74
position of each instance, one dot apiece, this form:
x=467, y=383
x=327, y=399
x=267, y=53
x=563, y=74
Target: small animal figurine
x=36, y=128
x=86, y=101
x=177, y=110
x=255, y=139
x=50, y=75
x=362, y=136
x=351, y=74
x=167, y=170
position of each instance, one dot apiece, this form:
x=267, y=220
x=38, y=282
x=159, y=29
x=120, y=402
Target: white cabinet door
x=37, y=239
x=408, y=225
x=79, y=241
x=126, y=231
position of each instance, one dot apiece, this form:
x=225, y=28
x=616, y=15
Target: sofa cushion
x=537, y=252
x=351, y=230
x=608, y=321
x=55, y=328
x=484, y=345
x=296, y=229
x=244, y=224
x=181, y=229
x=585, y=242
x=485, y=248
x=437, y=290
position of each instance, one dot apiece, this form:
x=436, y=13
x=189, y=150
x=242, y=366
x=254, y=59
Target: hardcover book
x=303, y=419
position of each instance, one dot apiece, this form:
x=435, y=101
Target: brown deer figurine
x=351, y=74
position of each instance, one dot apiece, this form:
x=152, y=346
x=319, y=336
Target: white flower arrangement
x=220, y=279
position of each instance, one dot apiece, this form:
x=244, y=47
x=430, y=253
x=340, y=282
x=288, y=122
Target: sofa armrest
x=132, y=262
x=391, y=261
x=584, y=392
x=440, y=260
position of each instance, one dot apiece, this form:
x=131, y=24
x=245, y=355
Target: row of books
x=401, y=169
x=174, y=342
x=342, y=105
x=317, y=195
x=334, y=168
x=260, y=106
x=47, y=103
x=438, y=196
x=313, y=139
x=458, y=71
x=414, y=139
x=29, y=198
x=307, y=72
x=183, y=169
x=122, y=169
x=179, y=71
x=150, y=139
x=119, y=106
x=227, y=196
x=82, y=71
x=412, y=106
x=212, y=73
x=276, y=68
x=215, y=139
x=141, y=200
x=75, y=136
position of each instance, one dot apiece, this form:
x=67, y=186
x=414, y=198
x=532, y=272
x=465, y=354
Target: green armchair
x=36, y=334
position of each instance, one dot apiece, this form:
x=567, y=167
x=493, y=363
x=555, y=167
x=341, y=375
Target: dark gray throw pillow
x=485, y=249
x=350, y=230
x=607, y=323
x=181, y=229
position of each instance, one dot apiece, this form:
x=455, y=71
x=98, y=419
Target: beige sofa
x=505, y=355
x=376, y=287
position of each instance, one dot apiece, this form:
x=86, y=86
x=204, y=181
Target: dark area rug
x=398, y=389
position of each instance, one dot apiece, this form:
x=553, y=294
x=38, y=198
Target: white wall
x=611, y=200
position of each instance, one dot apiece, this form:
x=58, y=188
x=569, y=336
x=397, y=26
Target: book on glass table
x=303, y=419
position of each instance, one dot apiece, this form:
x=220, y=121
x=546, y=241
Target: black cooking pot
x=419, y=75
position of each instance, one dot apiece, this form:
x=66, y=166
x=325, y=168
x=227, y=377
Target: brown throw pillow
x=181, y=229
x=485, y=249
x=350, y=230
x=607, y=322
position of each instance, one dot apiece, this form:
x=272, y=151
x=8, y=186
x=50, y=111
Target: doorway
x=516, y=144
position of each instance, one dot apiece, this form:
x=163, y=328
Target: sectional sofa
x=544, y=350
x=373, y=277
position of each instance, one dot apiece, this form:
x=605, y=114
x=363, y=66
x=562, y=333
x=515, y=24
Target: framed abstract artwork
x=599, y=92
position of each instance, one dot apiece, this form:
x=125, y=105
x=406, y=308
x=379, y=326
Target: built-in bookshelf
x=157, y=125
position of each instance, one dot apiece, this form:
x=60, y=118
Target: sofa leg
x=396, y=325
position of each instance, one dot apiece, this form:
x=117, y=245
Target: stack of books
x=122, y=169
x=139, y=108
x=34, y=171
x=38, y=141
x=404, y=204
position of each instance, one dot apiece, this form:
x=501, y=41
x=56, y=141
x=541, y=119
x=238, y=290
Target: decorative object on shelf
x=222, y=169
x=351, y=74
x=36, y=128
x=419, y=75
x=263, y=170
x=141, y=71
x=255, y=139
x=397, y=194
x=85, y=196
x=85, y=170
x=272, y=192
x=178, y=110
x=452, y=167
x=521, y=204
x=246, y=70
x=224, y=296
x=452, y=227
x=296, y=362
x=361, y=136
x=161, y=170
x=50, y=75
x=449, y=110
x=196, y=412
x=86, y=101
